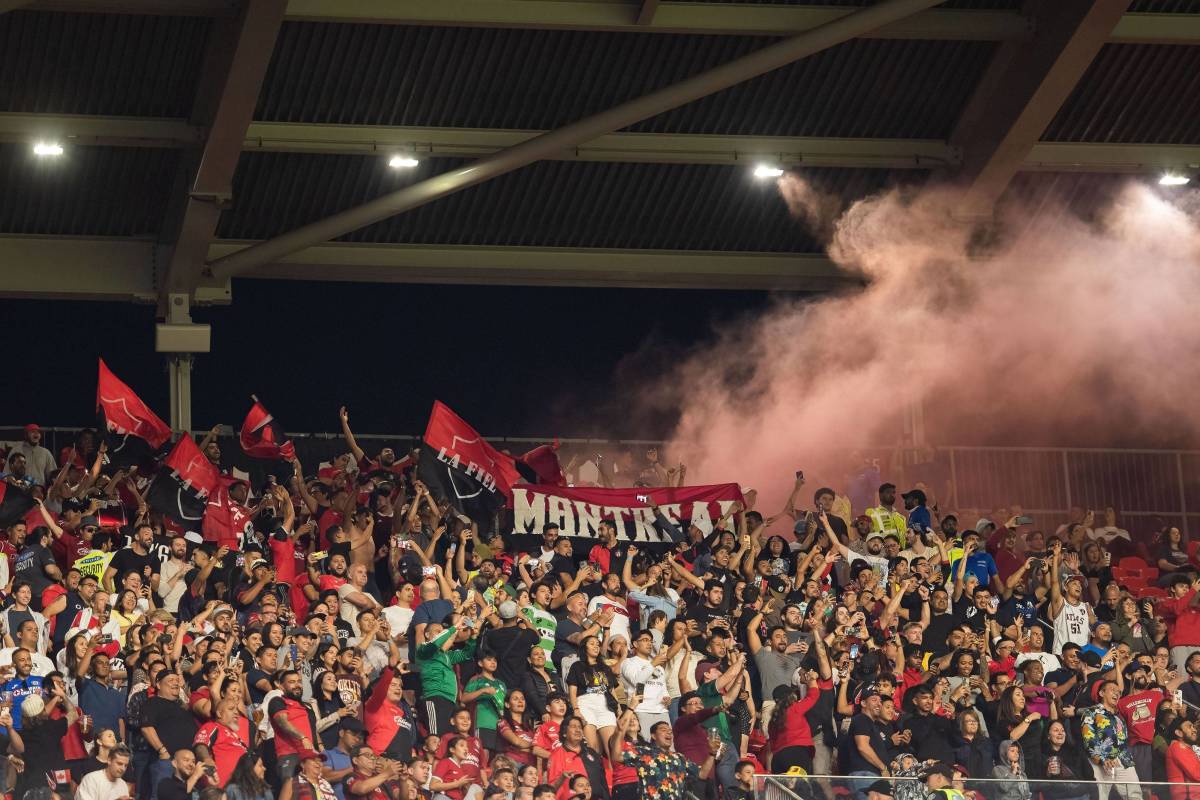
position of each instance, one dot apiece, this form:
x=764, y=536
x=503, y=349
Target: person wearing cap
x=309, y=783
x=1106, y=742
x=1139, y=708
x=979, y=563
x=511, y=641
x=351, y=734
x=1070, y=614
x=39, y=462
x=919, y=518
x=879, y=790
x=866, y=752
x=864, y=545
x=884, y=517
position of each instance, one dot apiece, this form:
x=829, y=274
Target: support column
x=179, y=369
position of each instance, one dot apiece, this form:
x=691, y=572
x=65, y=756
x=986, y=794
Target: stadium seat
x=1149, y=573
x=1119, y=573
x=1132, y=563
x=1153, y=591
x=1192, y=547
x=1135, y=585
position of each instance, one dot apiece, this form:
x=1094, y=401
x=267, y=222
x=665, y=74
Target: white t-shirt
x=97, y=786
x=399, y=618
x=635, y=670
x=42, y=666
x=167, y=571
x=349, y=611
x=620, y=618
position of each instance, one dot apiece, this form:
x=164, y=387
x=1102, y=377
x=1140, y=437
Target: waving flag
x=540, y=465
x=185, y=481
x=131, y=430
x=262, y=436
x=15, y=502
x=458, y=464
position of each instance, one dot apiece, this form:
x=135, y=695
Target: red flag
x=540, y=465
x=183, y=484
x=453, y=440
x=124, y=412
x=263, y=437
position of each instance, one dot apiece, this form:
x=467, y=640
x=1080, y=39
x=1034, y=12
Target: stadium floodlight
x=1173, y=179
x=765, y=171
x=47, y=149
x=403, y=162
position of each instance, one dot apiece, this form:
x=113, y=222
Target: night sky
x=511, y=360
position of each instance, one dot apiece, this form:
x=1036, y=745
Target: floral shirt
x=1105, y=736
x=663, y=773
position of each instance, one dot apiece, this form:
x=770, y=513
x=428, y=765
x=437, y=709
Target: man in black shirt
x=183, y=779
x=866, y=752
x=929, y=734
x=941, y=622
x=510, y=644
x=36, y=566
x=136, y=558
x=167, y=725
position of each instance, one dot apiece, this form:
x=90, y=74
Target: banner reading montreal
x=579, y=511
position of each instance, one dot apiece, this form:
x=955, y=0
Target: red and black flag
x=132, y=431
x=458, y=464
x=15, y=502
x=540, y=465
x=262, y=436
x=184, y=482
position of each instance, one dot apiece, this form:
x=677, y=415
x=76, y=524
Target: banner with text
x=579, y=511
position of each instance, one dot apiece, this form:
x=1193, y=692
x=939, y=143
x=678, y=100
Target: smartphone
x=321, y=555
x=1024, y=520
x=295, y=655
x=640, y=690
x=854, y=651
x=800, y=474
x=427, y=571
x=1179, y=696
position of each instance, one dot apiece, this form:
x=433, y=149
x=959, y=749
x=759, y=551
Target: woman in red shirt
x=789, y=731
x=516, y=736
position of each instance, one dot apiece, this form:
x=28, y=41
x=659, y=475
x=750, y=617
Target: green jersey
x=437, y=666
x=546, y=624
x=488, y=707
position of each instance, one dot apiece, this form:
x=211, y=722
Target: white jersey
x=1071, y=625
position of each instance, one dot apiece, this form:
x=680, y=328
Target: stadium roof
x=193, y=128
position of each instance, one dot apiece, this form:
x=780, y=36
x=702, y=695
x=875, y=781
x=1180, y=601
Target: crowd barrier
x=841, y=787
x=1148, y=488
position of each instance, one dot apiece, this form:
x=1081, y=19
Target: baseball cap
x=31, y=427
x=881, y=786
x=300, y=632
x=915, y=494
x=223, y=610
x=86, y=521
x=982, y=523
x=262, y=562
x=305, y=755
x=352, y=724
x=874, y=535
x=507, y=610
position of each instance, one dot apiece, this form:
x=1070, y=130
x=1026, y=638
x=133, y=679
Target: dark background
x=513, y=361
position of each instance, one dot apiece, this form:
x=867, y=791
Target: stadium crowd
x=362, y=638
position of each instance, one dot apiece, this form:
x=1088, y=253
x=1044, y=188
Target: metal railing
x=1148, y=488
x=828, y=787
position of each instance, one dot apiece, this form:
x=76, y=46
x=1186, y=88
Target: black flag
x=184, y=481
x=15, y=503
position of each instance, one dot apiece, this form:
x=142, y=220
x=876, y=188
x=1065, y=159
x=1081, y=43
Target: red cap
x=33, y=426
x=307, y=754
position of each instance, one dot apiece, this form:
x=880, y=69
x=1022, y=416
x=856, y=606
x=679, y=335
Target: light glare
x=403, y=162
x=43, y=149
x=763, y=171
x=1173, y=179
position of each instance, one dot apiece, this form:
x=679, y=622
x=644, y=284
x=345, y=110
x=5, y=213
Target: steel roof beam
x=702, y=84
x=551, y=266
x=237, y=63
x=657, y=148
x=630, y=15
x=1021, y=91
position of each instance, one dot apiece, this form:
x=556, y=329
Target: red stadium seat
x=1153, y=591
x=1119, y=573
x=1192, y=547
x=1149, y=573
x=1132, y=563
x=1135, y=585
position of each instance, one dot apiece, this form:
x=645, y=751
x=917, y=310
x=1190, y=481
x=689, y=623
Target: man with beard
x=386, y=460
x=1183, y=765
x=294, y=724
x=884, y=518
x=941, y=622
x=1139, y=708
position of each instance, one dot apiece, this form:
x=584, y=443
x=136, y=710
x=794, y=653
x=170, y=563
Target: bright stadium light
x=764, y=171
x=47, y=149
x=403, y=162
x=1173, y=179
